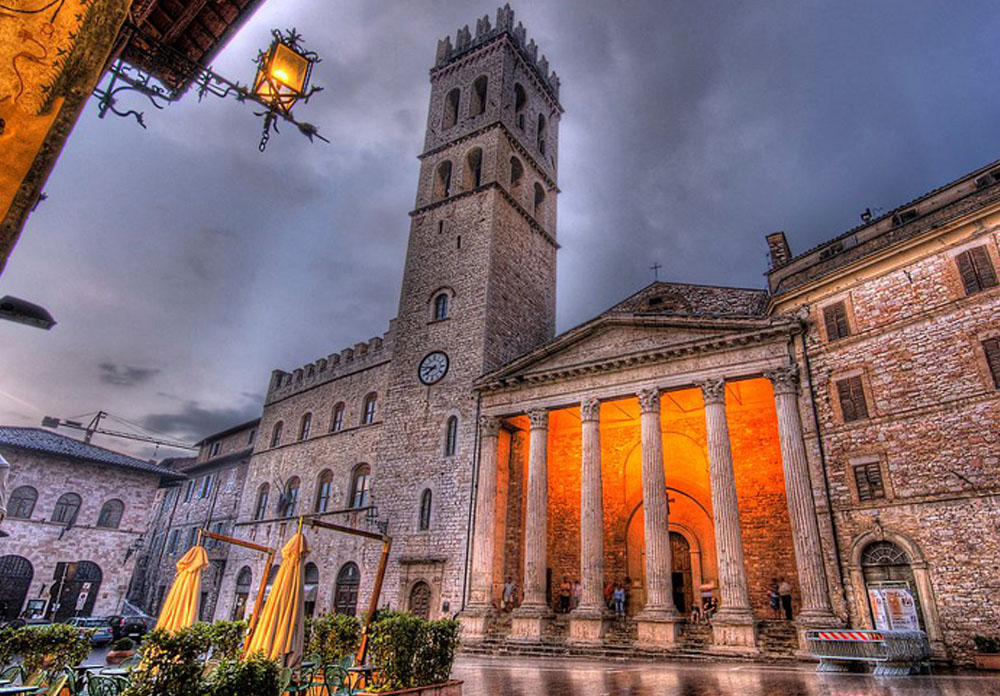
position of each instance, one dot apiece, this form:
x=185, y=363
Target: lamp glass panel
x=289, y=68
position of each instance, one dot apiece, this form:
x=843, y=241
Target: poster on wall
x=879, y=612
x=902, y=609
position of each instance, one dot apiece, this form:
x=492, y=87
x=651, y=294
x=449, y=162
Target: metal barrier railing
x=892, y=653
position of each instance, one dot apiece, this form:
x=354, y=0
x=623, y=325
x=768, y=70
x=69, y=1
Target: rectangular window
x=251, y=436
x=188, y=491
x=976, y=269
x=172, y=542
x=192, y=536
x=216, y=446
x=869, y=479
x=852, y=399
x=835, y=318
x=992, y=349
x=206, y=485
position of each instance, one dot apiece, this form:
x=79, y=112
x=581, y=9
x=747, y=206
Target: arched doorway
x=243, y=584
x=420, y=600
x=893, y=599
x=16, y=573
x=78, y=585
x=680, y=555
x=685, y=561
x=345, y=597
x=311, y=585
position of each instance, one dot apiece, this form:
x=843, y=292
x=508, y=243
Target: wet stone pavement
x=556, y=677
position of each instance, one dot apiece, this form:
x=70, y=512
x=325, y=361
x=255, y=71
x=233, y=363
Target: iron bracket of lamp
x=163, y=75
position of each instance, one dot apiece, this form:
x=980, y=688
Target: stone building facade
x=77, y=516
x=208, y=499
x=836, y=430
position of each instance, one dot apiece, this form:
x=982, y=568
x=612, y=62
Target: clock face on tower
x=433, y=367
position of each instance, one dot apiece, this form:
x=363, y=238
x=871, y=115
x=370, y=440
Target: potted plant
x=987, y=652
x=121, y=650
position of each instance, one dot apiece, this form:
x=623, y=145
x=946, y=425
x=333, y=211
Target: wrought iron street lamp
x=283, y=74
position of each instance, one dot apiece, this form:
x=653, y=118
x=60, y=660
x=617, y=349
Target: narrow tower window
x=541, y=134
x=368, y=409
x=478, y=103
x=425, y=510
x=442, y=181
x=516, y=172
x=450, y=116
x=520, y=101
x=451, y=437
x=305, y=426
x=473, y=169
x=337, y=419
x=539, y=198
x=441, y=307
x=276, y=434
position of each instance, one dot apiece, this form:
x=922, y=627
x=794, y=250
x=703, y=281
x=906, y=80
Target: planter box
x=988, y=661
x=449, y=688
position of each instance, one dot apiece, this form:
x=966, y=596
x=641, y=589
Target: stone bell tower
x=478, y=291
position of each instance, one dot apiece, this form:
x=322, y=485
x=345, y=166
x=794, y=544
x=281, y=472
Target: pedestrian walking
x=785, y=592
x=774, y=599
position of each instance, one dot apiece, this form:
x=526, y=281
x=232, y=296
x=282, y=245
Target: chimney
x=777, y=245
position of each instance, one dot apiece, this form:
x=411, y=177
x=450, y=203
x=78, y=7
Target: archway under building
x=75, y=590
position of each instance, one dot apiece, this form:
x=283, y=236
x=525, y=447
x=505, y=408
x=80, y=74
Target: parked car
x=101, y=632
x=19, y=623
x=134, y=627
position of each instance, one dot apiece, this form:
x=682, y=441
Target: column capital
x=649, y=400
x=785, y=379
x=489, y=426
x=713, y=391
x=539, y=419
x=590, y=409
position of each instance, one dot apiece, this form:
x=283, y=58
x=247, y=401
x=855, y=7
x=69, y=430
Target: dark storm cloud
x=125, y=375
x=691, y=130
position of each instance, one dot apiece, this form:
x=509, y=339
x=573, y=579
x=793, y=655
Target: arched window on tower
x=368, y=409
x=516, y=172
x=441, y=307
x=450, y=116
x=541, y=133
x=477, y=105
x=442, y=180
x=324, y=491
x=260, y=507
x=22, y=503
x=360, y=486
x=451, y=437
x=67, y=508
x=473, y=169
x=111, y=514
x=520, y=101
x=337, y=418
x=276, y=433
x=425, y=510
x=539, y=199
x=305, y=425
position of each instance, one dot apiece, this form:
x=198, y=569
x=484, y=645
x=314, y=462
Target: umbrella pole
x=255, y=616
x=373, y=606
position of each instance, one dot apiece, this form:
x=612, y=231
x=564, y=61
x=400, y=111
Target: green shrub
x=986, y=644
x=52, y=647
x=333, y=637
x=226, y=638
x=123, y=645
x=255, y=676
x=171, y=664
x=7, y=647
x=408, y=651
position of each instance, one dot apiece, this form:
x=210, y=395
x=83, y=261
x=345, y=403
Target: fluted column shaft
x=659, y=590
x=481, y=589
x=591, y=509
x=536, y=516
x=725, y=508
x=798, y=492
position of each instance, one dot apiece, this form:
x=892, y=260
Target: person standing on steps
x=774, y=599
x=785, y=592
x=509, y=590
x=565, y=592
x=618, y=597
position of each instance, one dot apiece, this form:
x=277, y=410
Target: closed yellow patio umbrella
x=181, y=608
x=280, y=633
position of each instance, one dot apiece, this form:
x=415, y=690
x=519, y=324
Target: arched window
x=311, y=586
x=450, y=116
x=16, y=574
x=539, y=198
x=360, y=485
x=324, y=491
x=473, y=169
x=304, y=426
x=451, y=437
x=244, y=582
x=425, y=510
x=520, y=101
x=480, y=87
x=111, y=514
x=368, y=409
x=441, y=307
x=516, y=172
x=67, y=508
x=22, y=503
x=442, y=180
x=541, y=134
x=276, y=433
x=337, y=419
x=345, y=596
x=260, y=508
x=290, y=498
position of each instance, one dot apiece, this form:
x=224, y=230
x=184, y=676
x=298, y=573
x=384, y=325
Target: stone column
x=530, y=618
x=816, y=609
x=587, y=620
x=657, y=622
x=481, y=582
x=733, y=627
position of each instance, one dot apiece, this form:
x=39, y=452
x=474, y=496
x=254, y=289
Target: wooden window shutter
x=992, y=349
x=868, y=478
x=852, y=399
x=967, y=270
x=984, y=267
x=835, y=317
x=864, y=490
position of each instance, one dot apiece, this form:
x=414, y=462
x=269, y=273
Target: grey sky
x=182, y=265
